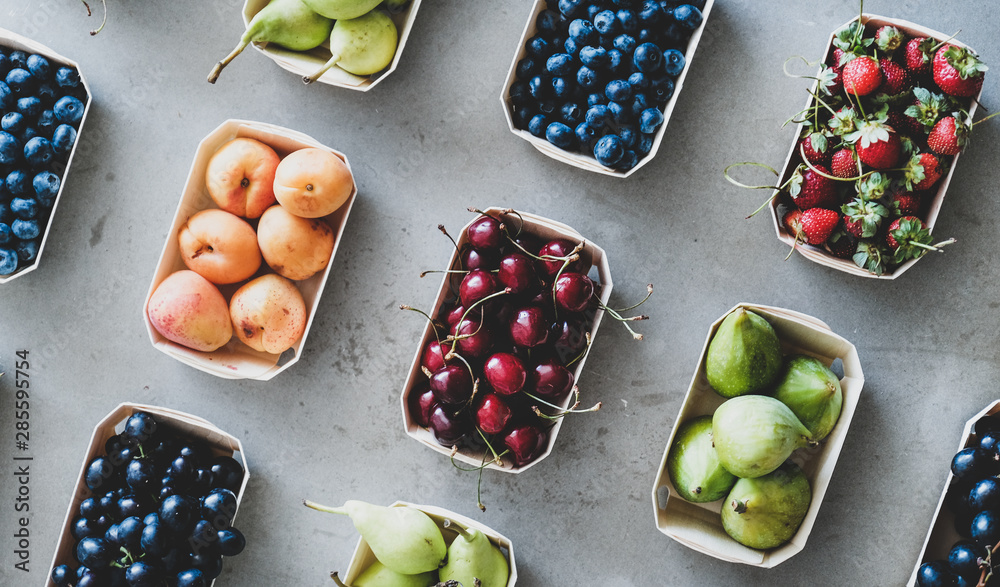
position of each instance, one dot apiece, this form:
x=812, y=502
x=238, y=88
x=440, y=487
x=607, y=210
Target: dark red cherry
x=557, y=248
x=551, y=380
x=449, y=427
x=484, y=233
x=422, y=402
x=528, y=327
x=452, y=384
x=480, y=339
x=525, y=443
x=505, y=373
x=492, y=413
x=487, y=260
x=518, y=273
x=432, y=358
x=569, y=337
x=475, y=286
x=573, y=291
x=456, y=313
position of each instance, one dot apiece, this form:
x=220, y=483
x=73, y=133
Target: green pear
x=404, y=539
x=766, y=512
x=288, y=23
x=812, y=391
x=754, y=434
x=472, y=556
x=378, y=575
x=362, y=46
x=694, y=466
x=338, y=9
x=744, y=356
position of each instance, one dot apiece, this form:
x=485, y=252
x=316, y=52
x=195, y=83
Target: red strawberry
x=948, y=136
x=810, y=189
x=792, y=222
x=957, y=71
x=922, y=172
x=862, y=217
x=889, y=38
x=843, y=164
x=862, y=76
x=815, y=148
x=907, y=203
x=877, y=145
x=843, y=121
x=830, y=81
x=893, y=233
x=853, y=227
x=918, y=55
x=896, y=79
x=818, y=224
x=926, y=110
x=841, y=245
x=838, y=58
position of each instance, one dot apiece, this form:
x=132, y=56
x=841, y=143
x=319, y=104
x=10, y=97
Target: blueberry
x=29, y=106
x=537, y=46
x=231, y=542
x=639, y=103
x=194, y=577
x=6, y=96
x=935, y=574
x=521, y=116
x=69, y=110
x=13, y=122
x=46, y=123
x=985, y=493
x=4, y=64
x=10, y=149
x=16, y=182
x=651, y=12
x=6, y=236
x=675, y=35
x=628, y=136
x=595, y=58
x=596, y=99
x=627, y=21
x=606, y=23
x=570, y=113
x=210, y=564
x=582, y=31
x=227, y=473
x=150, y=519
x=141, y=474
x=19, y=59
x=540, y=87
x=537, y=125
x=624, y=43
x=24, y=208
x=569, y=8
x=561, y=87
x=47, y=94
x=647, y=35
x=962, y=560
x=628, y=161
x=974, y=463
x=618, y=90
x=650, y=120
x=990, y=441
x=598, y=116
x=93, y=553
x=618, y=62
x=27, y=134
x=21, y=82
x=688, y=16
x=38, y=66
x=985, y=528
x=662, y=88
x=143, y=574
x=585, y=133
x=673, y=62
x=25, y=229
x=520, y=96
x=67, y=77
x=645, y=144
x=609, y=150
x=638, y=81
x=62, y=576
x=647, y=58
x=38, y=152
x=560, y=64
x=587, y=78
x=571, y=46
x=527, y=67
x=549, y=21
x=618, y=112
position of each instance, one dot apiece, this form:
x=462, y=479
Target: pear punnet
x=404, y=539
x=693, y=464
x=288, y=23
x=362, y=46
x=744, y=356
x=472, y=556
x=378, y=575
x=766, y=512
x=754, y=434
x=812, y=391
x=338, y=9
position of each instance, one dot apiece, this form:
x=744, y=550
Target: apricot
x=268, y=314
x=219, y=246
x=189, y=310
x=240, y=177
x=295, y=247
x=312, y=183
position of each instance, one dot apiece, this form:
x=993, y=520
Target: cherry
x=448, y=428
x=478, y=339
x=528, y=327
x=475, y=286
x=551, y=380
x=517, y=273
x=452, y=384
x=506, y=373
x=484, y=233
x=456, y=313
x=557, y=248
x=525, y=442
x=492, y=413
x=432, y=358
x=422, y=402
x=573, y=291
x=473, y=258
x=569, y=337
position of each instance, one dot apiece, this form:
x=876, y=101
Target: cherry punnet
x=558, y=248
x=518, y=273
x=449, y=427
x=505, y=373
x=475, y=286
x=473, y=258
x=492, y=413
x=422, y=402
x=525, y=442
x=452, y=384
x=573, y=292
x=472, y=337
x=432, y=358
x=551, y=380
x=528, y=327
x=485, y=233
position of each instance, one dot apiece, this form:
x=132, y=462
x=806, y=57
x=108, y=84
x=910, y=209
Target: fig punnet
x=766, y=512
x=694, y=466
x=744, y=355
x=812, y=391
x=754, y=434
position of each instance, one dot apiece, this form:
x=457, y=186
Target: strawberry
x=843, y=164
x=922, y=171
x=862, y=76
x=958, y=71
x=948, y=137
x=810, y=189
x=878, y=146
x=792, y=221
x=889, y=38
x=849, y=42
x=830, y=81
x=843, y=121
x=908, y=238
x=906, y=203
x=874, y=187
x=895, y=79
x=818, y=224
x=815, y=147
x=871, y=257
x=918, y=55
x=841, y=245
x=862, y=218
x=927, y=109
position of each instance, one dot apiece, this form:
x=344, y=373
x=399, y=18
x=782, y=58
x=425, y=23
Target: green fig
x=744, y=356
x=694, y=466
x=812, y=391
x=342, y=9
x=754, y=434
x=288, y=23
x=766, y=512
x=472, y=556
x=362, y=46
x=404, y=539
x=378, y=575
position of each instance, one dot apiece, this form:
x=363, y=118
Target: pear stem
x=329, y=64
x=336, y=579
x=214, y=75
x=739, y=506
x=324, y=508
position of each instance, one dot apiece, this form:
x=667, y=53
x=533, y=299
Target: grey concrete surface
x=425, y=144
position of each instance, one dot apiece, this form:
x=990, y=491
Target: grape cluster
x=160, y=513
x=41, y=107
x=598, y=74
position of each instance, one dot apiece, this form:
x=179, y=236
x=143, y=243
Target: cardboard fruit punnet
x=698, y=525
x=303, y=63
x=545, y=230
x=363, y=556
x=586, y=161
x=941, y=536
x=818, y=254
x=186, y=425
x=236, y=360
x=12, y=40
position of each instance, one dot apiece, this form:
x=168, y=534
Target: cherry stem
x=496, y=457
x=437, y=335
x=505, y=291
x=614, y=314
x=984, y=119
x=445, y=232
x=336, y=579
x=583, y=353
x=649, y=292
x=452, y=271
x=594, y=408
x=324, y=508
